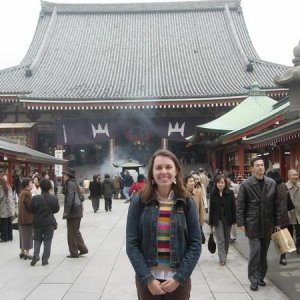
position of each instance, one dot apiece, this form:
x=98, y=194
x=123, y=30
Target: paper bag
x=283, y=241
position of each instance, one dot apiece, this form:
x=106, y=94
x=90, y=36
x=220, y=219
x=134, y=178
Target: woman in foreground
x=163, y=239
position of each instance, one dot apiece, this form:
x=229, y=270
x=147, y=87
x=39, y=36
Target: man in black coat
x=257, y=214
x=73, y=213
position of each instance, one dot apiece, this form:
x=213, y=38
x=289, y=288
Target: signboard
x=58, y=168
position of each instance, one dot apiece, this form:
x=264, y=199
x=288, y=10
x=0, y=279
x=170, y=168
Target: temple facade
x=121, y=80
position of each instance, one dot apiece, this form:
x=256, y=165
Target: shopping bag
x=283, y=241
x=211, y=244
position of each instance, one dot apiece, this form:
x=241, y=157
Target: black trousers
x=108, y=203
x=257, y=264
x=6, y=229
x=42, y=235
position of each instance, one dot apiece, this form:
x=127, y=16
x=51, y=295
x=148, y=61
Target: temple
x=121, y=80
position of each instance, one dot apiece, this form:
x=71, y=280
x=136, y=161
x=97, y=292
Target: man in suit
x=257, y=214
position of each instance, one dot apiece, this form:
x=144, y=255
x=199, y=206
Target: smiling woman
x=163, y=239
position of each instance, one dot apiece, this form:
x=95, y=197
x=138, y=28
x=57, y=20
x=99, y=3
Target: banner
x=72, y=132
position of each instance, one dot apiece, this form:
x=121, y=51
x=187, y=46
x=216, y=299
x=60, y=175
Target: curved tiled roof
x=8, y=146
x=139, y=51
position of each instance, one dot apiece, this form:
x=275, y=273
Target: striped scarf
x=163, y=233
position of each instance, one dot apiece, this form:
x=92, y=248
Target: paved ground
x=105, y=273
x=286, y=278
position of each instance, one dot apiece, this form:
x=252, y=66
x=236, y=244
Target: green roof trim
x=254, y=107
x=276, y=112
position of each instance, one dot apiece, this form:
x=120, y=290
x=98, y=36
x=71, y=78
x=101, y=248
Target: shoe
x=34, y=261
x=45, y=263
x=222, y=263
x=110, y=209
x=261, y=282
x=253, y=286
x=21, y=255
x=28, y=256
x=283, y=261
x=83, y=252
x=232, y=240
x=72, y=256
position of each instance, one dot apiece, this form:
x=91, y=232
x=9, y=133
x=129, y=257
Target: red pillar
x=282, y=165
x=26, y=171
x=241, y=159
x=10, y=172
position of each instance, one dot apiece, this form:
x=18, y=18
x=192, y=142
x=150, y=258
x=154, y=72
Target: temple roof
x=253, y=108
x=116, y=52
x=9, y=146
x=262, y=122
x=282, y=133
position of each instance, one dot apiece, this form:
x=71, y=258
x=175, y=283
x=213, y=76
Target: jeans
x=126, y=192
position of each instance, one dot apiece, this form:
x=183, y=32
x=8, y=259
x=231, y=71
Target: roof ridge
x=234, y=35
x=145, y=7
x=266, y=62
x=40, y=54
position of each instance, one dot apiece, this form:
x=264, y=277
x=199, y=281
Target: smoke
x=121, y=155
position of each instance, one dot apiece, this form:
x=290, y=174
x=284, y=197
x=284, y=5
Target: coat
x=70, y=210
x=258, y=211
x=282, y=194
x=107, y=188
x=216, y=203
x=25, y=216
x=7, y=204
x=295, y=197
x=95, y=189
x=198, y=199
x=43, y=207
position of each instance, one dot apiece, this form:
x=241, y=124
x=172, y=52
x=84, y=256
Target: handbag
x=202, y=237
x=211, y=243
x=283, y=241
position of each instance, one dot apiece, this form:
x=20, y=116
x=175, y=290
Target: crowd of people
x=167, y=212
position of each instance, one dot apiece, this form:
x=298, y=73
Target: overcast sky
x=273, y=26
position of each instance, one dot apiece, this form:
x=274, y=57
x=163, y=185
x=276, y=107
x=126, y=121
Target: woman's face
x=36, y=181
x=164, y=171
x=190, y=184
x=30, y=185
x=221, y=184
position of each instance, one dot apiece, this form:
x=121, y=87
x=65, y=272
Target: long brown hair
x=4, y=185
x=179, y=190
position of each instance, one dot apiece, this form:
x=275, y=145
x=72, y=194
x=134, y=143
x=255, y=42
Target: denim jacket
x=141, y=238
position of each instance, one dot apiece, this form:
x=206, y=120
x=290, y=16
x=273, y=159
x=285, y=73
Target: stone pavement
x=105, y=273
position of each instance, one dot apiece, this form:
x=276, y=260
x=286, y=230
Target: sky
x=272, y=25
